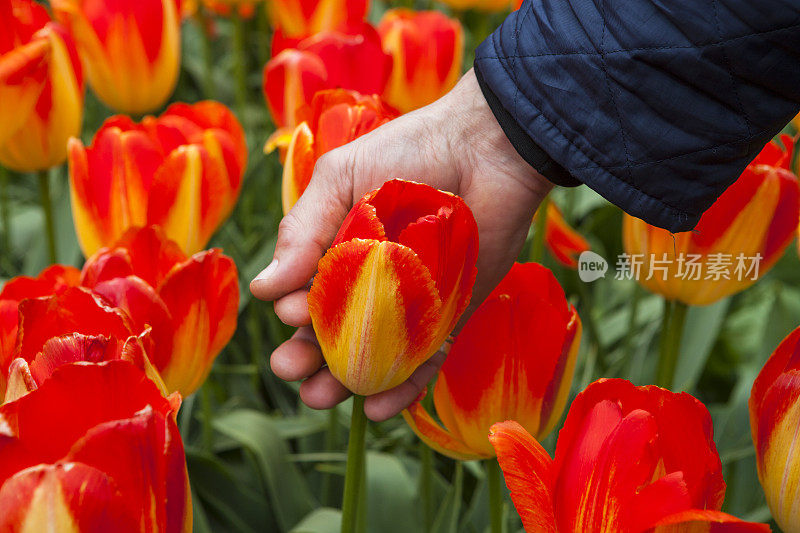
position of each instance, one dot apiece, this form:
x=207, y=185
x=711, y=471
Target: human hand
x=454, y=144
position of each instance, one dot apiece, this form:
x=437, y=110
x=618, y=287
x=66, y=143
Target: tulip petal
x=299, y=166
x=375, y=310
x=63, y=497
x=437, y=437
x=700, y=521
x=20, y=380
x=529, y=474
x=562, y=240
x=75, y=310
x=144, y=456
x=202, y=295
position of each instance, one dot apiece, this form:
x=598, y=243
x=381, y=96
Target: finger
x=307, y=231
x=385, y=405
x=292, y=309
x=322, y=391
x=297, y=358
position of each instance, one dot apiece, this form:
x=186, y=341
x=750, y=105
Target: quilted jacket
x=658, y=105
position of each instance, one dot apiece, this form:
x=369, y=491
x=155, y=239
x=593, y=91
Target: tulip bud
x=774, y=419
x=191, y=303
x=326, y=60
x=737, y=240
x=94, y=448
x=513, y=359
x=131, y=50
x=627, y=459
x=182, y=171
x=334, y=118
x=301, y=18
x=41, y=88
x=561, y=239
x=428, y=51
x=394, y=283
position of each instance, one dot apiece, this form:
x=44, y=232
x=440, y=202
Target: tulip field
x=620, y=378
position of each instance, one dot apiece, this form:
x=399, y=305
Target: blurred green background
x=260, y=461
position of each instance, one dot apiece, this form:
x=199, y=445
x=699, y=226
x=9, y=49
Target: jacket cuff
x=531, y=152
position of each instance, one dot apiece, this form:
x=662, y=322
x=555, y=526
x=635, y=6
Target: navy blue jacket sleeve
x=658, y=105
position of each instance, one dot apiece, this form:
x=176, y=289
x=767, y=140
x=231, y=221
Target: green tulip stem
x=628, y=345
x=240, y=63
x=47, y=207
x=5, y=209
x=539, y=228
x=331, y=445
x=426, y=485
x=494, y=477
x=204, y=21
x=671, y=333
x=355, y=466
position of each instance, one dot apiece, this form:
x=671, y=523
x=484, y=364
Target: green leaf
x=448, y=516
x=700, y=332
x=287, y=490
x=391, y=496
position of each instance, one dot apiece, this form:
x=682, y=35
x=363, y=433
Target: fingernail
x=267, y=272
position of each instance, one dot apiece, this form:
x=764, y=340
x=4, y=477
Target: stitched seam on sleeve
x=726, y=61
x=516, y=50
x=646, y=48
x=604, y=68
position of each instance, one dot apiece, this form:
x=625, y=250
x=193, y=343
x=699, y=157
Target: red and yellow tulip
x=131, y=50
x=182, y=171
x=629, y=459
x=561, y=239
x=736, y=241
x=301, y=18
x=428, y=50
x=41, y=88
x=774, y=418
x=514, y=359
x=94, y=448
x=335, y=118
x=191, y=303
x=394, y=283
x=326, y=60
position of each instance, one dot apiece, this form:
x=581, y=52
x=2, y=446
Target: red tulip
x=736, y=241
x=131, y=50
x=326, y=60
x=628, y=459
x=95, y=448
x=428, y=51
x=301, y=18
x=41, y=88
x=334, y=118
x=774, y=419
x=182, y=171
x=394, y=283
x=191, y=303
x=514, y=359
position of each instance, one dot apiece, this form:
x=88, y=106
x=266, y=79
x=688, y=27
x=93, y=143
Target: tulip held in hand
x=513, y=359
x=394, y=283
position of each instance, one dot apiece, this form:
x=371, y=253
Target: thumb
x=307, y=231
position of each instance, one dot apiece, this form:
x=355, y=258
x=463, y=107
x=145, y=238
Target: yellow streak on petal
x=47, y=511
x=183, y=222
x=781, y=471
